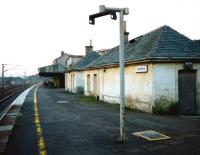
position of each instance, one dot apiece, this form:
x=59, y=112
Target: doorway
x=187, y=91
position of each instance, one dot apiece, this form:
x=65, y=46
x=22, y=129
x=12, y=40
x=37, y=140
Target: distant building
x=58, y=68
x=67, y=59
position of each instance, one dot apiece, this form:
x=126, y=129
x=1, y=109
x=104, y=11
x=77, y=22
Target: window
x=72, y=81
x=95, y=83
x=88, y=83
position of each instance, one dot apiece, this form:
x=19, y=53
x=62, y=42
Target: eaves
x=149, y=60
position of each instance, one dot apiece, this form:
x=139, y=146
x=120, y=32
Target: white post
x=122, y=11
x=121, y=60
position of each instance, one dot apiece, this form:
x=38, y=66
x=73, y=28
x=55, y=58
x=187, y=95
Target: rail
x=6, y=101
x=10, y=89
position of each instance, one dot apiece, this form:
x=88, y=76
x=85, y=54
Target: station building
x=160, y=64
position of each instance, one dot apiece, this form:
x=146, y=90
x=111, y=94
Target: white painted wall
x=78, y=81
x=91, y=73
x=110, y=91
x=165, y=81
x=138, y=86
x=141, y=89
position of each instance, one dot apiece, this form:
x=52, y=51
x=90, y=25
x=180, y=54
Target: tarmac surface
x=69, y=125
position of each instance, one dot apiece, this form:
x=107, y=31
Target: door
x=187, y=92
x=95, y=83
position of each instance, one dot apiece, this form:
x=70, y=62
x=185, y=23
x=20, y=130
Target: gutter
x=145, y=60
x=73, y=70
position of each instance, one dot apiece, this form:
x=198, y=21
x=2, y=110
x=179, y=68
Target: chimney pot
x=88, y=48
x=62, y=53
x=126, y=37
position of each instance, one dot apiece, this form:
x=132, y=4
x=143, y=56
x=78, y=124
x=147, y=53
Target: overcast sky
x=33, y=32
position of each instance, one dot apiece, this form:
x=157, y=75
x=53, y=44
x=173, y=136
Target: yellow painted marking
x=41, y=143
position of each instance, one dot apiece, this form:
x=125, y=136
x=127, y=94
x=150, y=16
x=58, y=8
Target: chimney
x=125, y=33
x=88, y=48
x=126, y=37
x=62, y=53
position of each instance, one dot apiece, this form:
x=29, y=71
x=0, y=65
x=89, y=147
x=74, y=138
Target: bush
x=173, y=108
x=164, y=106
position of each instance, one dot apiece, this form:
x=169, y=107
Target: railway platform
x=55, y=122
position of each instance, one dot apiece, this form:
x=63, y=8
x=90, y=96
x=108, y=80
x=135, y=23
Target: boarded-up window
x=95, y=83
x=88, y=83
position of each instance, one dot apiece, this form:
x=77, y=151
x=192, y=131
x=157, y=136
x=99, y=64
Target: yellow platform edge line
x=41, y=143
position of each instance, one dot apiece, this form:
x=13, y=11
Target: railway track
x=5, y=103
x=10, y=89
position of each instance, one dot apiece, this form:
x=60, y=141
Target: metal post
x=2, y=80
x=121, y=60
x=112, y=11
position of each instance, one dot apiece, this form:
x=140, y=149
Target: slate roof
x=163, y=43
x=90, y=57
x=197, y=42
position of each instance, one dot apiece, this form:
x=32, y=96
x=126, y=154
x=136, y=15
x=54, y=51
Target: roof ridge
x=163, y=29
x=157, y=40
x=154, y=30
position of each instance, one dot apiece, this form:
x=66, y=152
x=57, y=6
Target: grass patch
x=127, y=108
x=133, y=109
x=88, y=99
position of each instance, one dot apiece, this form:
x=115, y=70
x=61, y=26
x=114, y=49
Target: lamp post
x=112, y=11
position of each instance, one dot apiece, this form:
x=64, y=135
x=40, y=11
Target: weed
x=164, y=106
x=88, y=99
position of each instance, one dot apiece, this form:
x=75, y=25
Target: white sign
x=141, y=69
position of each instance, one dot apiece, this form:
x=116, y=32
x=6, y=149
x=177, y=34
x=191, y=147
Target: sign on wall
x=141, y=69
